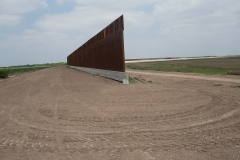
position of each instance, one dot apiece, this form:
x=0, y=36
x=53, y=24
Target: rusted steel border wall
x=103, y=51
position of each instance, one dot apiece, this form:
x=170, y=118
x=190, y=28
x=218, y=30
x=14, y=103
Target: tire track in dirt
x=154, y=120
x=57, y=130
x=211, y=121
x=15, y=80
x=73, y=114
x=21, y=139
x=8, y=114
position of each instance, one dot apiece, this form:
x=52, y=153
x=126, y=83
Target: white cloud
x=126, y=4
x=63, y=1
x=20, y=6
x=43, y=4
x=38, y=47
x=137, y=20
x=88, y=19
x=9, y=20
x=196, y=17
x=38, y=38
x=110, y=4
x=153, y=28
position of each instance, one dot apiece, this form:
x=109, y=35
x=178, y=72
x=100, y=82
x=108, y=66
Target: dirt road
x=217, y=78
x=61, y=113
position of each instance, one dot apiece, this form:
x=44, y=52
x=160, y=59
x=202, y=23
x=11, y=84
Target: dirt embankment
x=60, y=113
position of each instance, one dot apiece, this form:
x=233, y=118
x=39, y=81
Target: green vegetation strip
x=203, y=66
x=27, y=69
x=5, y=71
x=235, y=86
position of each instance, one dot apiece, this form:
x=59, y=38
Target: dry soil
x=61, y=113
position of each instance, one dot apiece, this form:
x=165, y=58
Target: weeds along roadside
x=6, y=71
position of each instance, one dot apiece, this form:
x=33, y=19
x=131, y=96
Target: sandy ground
x=61, y=113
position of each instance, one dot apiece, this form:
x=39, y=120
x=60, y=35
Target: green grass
x=235, y=86
x=131, y=80
x=138, y=79
x=30, y=68
x=41, y=65
x=27, y=69
x=4, y=72
x=202, y=66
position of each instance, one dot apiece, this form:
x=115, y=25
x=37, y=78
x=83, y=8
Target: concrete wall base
x=118, y=76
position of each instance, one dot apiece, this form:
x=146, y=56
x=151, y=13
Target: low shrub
x=4, y=72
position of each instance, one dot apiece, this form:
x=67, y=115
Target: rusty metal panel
x=103, y=51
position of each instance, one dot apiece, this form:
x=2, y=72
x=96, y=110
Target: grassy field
x=34, y=67
x=26, y=69
x=202, y=66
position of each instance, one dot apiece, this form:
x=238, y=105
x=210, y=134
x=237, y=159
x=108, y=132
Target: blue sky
x=44, y=31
